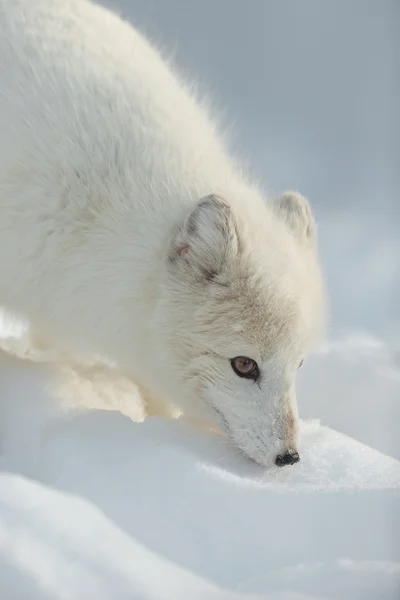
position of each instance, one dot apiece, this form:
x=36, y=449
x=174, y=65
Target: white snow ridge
x=94, y=505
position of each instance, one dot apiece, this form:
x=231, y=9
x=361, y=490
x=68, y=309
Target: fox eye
x=300, y=364
x=245, y=367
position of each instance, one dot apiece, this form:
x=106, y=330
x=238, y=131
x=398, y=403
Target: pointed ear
x=207, y=239
x=295, y=211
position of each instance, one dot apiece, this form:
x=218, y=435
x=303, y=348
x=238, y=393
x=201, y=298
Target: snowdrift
x=94, y=505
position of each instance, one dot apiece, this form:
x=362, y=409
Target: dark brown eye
x=245, y=367
x=301, y=364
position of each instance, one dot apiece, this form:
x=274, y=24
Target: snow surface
x=94, y=505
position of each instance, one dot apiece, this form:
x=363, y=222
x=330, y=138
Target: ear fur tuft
x=207, y=238
x=296, y=212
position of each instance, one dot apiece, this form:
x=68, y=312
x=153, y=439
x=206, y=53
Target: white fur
x=127, y=230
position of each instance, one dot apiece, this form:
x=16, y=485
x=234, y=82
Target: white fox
x=127, y=230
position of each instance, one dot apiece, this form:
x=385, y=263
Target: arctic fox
x=127, y=230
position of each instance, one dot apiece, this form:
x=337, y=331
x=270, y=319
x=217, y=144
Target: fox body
x=127, y=229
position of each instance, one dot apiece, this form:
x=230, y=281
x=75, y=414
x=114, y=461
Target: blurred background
x=311, y=92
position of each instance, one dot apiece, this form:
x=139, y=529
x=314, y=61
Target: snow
x=96, y=504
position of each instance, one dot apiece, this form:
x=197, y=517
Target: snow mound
x=96, y=506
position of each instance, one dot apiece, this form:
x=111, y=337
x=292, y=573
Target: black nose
x=290, y=458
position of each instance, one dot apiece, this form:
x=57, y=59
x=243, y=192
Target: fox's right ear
x=207, y=239
x=296, y=212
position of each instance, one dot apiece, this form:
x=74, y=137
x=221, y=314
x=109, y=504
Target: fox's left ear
x=206, y=241
x=295, y=210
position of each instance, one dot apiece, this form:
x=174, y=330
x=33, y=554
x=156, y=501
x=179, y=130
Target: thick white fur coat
x=127, y=230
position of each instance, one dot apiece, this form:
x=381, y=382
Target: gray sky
x=312, y=90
